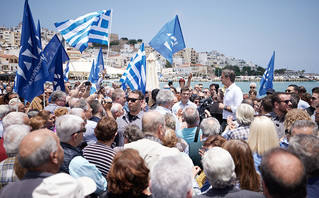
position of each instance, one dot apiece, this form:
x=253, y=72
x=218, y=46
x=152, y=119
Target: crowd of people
x=173, y=142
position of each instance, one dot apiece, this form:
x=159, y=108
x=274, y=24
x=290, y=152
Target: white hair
x=253, y=84
x=66, y=125
x=4, y=109
x=165, y=96
x=210, y=126
x=219, y=167
x=13, y=136
x=76, y=112
x=171, y=177
x=115, y=107
x=245, y=114
x=13, y=118
x=72, y=102
x=13, y=104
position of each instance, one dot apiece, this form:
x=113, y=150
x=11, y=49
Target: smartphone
x=88, y=83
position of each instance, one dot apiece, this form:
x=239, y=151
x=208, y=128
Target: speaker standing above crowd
x=164, y=143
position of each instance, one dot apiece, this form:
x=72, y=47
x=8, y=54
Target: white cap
x=64, y=185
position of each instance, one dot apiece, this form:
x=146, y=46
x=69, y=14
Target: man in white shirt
x=233, y=95
x=185, y=94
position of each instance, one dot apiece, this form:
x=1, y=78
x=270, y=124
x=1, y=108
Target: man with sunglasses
x=281, y=105
x=133, y=116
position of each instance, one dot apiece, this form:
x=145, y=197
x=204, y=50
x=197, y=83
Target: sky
x=245, y=29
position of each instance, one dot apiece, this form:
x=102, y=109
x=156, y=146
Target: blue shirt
x=188, y=134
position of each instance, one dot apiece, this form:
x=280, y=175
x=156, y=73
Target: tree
x=124, y=39
x=280, y=71
x=218, y=72
x=132, y=41
x=260, y=71
x=168, y=64
x=140, y=40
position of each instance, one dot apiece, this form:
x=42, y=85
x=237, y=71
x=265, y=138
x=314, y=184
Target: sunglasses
x=288, y=91
x=285, y=101
x=131, y=99
x=252, y=87
x=205, y=92
x=80, y=131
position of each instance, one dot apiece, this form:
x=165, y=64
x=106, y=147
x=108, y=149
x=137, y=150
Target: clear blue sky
x=245, y=29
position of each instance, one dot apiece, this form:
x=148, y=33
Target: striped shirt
x=100, y=155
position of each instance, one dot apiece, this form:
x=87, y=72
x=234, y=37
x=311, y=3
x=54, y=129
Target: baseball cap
x=64, y=185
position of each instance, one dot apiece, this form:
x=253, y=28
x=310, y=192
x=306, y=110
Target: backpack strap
x=197, y=133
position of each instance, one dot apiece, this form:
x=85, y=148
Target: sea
x=278, y=86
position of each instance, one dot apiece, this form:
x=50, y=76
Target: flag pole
x=109, y=35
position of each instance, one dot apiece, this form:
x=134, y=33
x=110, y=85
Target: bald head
x=40, y=151
x=283, y=174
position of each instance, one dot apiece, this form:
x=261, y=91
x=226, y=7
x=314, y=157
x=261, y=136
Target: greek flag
x=135, y=74
x=32, y=71
x=93, y=27
x=266, y=81
x=66, y=72
x=169, y=39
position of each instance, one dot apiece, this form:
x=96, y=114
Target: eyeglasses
x=287, y=132
x=285, y=101
x=131, y=99
x=288, y=91
x=69, y=87
x=80, y=131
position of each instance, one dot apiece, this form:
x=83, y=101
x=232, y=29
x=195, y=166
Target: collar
x=153, y=138
x=231, y=86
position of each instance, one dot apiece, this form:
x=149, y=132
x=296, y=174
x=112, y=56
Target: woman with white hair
x=262, y=137
x=219, y=169
x=245, y=115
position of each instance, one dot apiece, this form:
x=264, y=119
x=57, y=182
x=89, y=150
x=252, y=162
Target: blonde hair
x=61, y=111
x=170, y=138
x=262, y=135
x=295, y=114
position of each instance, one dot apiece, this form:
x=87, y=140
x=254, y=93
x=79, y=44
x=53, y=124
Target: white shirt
x=232, y=98
x=179, y=105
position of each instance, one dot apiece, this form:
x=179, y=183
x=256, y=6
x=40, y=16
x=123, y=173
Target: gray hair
x=72, y=102
x=133, y=133
x=170, y=121
x=4, y=109
x=117, y=93
x=13, y=136
x=210, y=126
x=166, y=177
x=76, y=111
x=115, y=107
x=66, y=125
x=13, y=118
x=306, y=147
x=190, y=115
x=154, y=121
x=303, y=124
x=41, y=155
x=13, y=104
x=164, y=96
x=219, y=167
x=245, y=114
x=229, y=73
x=81, y=103
x=57, y=95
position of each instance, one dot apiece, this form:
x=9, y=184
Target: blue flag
x=66, y=72
x=93, y=27
x=135, y=74
x=57, y=63
x=266, y=81
x=169, y=39
x=38, y=34
x=32, y=71
x=49, y=52
x=100, y=61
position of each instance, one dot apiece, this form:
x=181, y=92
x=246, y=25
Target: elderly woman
x=50, y=119
x=128, y=176
x=245, y=115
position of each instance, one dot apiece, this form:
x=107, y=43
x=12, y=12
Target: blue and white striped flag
x=66, y=72
x=135, y=74
x=93, y=27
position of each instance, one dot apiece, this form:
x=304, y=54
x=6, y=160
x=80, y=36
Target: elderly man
x=12, y=138
x=15, y=104
x=219, y=169
x=150, y=147
x=233, y=96
x=281, y=105
x=117, y=110
x=58, y=99
x=179, y=182
x=165, y=101
x=283, y=174
x=192, y=133
x=70, y=129
x=4, y=110
x=245, y=116
x=41, y=154
x=179, y=106
x=118, y=96
x=15, y=118
x=306, y=147
x=210, y=127
x=134, y=116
